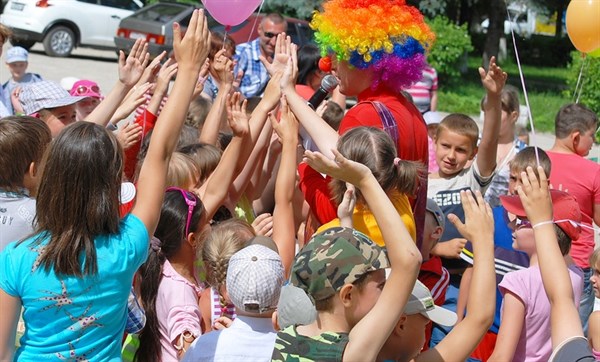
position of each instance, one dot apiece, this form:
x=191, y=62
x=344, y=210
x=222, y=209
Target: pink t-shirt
x=433, y=166
x=177, y=311
x=579, y=177
x=535, y=341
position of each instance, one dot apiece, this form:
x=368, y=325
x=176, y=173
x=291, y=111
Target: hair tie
x=397, y=161
x=155, y=244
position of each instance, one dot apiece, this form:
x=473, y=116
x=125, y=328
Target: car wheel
x=59, y=42
x=27, y=44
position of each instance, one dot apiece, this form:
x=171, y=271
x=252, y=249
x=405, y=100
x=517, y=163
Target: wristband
x=541, y=223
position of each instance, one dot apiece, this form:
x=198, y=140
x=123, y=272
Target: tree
x=297, y=9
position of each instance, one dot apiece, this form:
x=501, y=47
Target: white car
x=63, y=25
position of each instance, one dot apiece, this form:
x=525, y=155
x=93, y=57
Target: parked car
x=62, y=25
x=155, y=24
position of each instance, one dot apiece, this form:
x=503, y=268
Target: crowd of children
x=172, y=219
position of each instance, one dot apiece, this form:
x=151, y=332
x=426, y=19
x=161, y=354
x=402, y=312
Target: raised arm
x=284, y=233
x=564, y=318
x=481, y=303
x=368, y=336
x=190, y=53
x=130, y=71
x=493, y=81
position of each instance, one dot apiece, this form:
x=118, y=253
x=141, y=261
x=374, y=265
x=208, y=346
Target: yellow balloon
x=583, y=24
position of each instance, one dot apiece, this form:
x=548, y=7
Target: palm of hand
x=239, y=123
x=279, y=63
x=131, y=71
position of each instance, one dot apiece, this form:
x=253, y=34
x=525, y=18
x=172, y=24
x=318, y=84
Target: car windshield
x=159, y=13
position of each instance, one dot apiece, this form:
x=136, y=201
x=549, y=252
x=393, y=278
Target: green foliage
x=452, y=44
x=296, y=8
x=590, y=86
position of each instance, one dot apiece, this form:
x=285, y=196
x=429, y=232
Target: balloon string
x=255, y=20
x=580, y=81
x=530, y=116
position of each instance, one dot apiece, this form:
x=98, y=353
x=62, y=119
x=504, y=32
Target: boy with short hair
x=254, y=279
x=575, y=130
x=456, y=145
x=49, y=102
x=17, y=62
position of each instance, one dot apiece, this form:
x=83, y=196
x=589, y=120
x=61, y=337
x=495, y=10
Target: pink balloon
x=231, y=12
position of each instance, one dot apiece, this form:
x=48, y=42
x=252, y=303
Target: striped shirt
x=216, y=311
x=421, y=91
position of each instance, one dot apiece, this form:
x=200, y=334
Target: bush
x=590, y=92
x=448, y=54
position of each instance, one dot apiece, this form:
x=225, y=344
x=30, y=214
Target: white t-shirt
x=17, y=211
x=248, y=339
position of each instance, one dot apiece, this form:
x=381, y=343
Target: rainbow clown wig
x=387, y=36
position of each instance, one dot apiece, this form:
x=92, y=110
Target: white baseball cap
x=421, y=301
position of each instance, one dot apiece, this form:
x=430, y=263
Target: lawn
x=545, y=88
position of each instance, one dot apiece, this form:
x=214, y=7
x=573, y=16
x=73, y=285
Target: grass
x=545, y=88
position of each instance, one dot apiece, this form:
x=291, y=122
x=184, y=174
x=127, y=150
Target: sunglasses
x=270, y=35
x=514, y=223
x=84, y=89
x=190, y=200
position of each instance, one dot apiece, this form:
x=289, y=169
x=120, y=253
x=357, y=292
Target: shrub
x=590, y=91
x=448, y=54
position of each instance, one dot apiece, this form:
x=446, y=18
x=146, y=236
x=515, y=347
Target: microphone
x=328, y=84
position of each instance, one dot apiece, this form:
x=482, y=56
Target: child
x=594, y=322
x=406, y=340
x=74, y=275
x=508, y=144
x=169, y=288
x=91, y=91
x=342, y=271
x=23, y=141
x=16, y=61
x=568, y=342
x=432, y=119
x=49, y=102
x=456, y=144
x=575, y=129
x=506, y=258
x=254, y=278
x=524, y=333
x=224, y=240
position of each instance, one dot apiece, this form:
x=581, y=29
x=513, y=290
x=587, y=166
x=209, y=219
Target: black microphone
x=328, y=84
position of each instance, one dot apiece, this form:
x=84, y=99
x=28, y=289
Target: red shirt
x=147, y=120
x=436, y=278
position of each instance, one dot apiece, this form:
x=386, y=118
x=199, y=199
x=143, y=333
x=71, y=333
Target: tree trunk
x=560, y=8
x=495, y=30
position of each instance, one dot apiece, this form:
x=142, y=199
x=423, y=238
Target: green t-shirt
x=291, y=346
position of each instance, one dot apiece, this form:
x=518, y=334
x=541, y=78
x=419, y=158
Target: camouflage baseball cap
x=333, y=258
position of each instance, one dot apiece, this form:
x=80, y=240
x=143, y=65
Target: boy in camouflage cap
x=342, y=272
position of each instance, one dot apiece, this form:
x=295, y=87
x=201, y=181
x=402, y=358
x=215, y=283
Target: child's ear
x=32, y=170
x=346, y=295
x=399, y=327
x=275, y=322
x=575, y=138
x=437, y=233
x=475, y=150
x=514, y=116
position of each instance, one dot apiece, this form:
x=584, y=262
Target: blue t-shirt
x=506, y=259
x=73, y=318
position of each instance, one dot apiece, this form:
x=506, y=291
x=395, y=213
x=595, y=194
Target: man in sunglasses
x=255, y=76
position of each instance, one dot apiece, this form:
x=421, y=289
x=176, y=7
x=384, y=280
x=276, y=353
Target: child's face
x=86, y=106
x=368, y=295
x=595, y=278
x=58, y=118
x=514, y=181
x=415, y=325
x=583, y=144
x=17, y=69
x=452, y=152
x=522, y=235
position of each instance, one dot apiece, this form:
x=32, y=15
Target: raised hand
x=282, y=53
x=290, y=72
x=494, y=79
x=134, y=99
x=236, y=114
x=340, y=168
x=131, y=69
x=191, y=50
x=129, y=135
x=535, y=196
x=152, y=69
x=199, y=87
x=287, y=127
x=263, y=225
x=165, y=74
x=346, y=208
x=479, y=221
